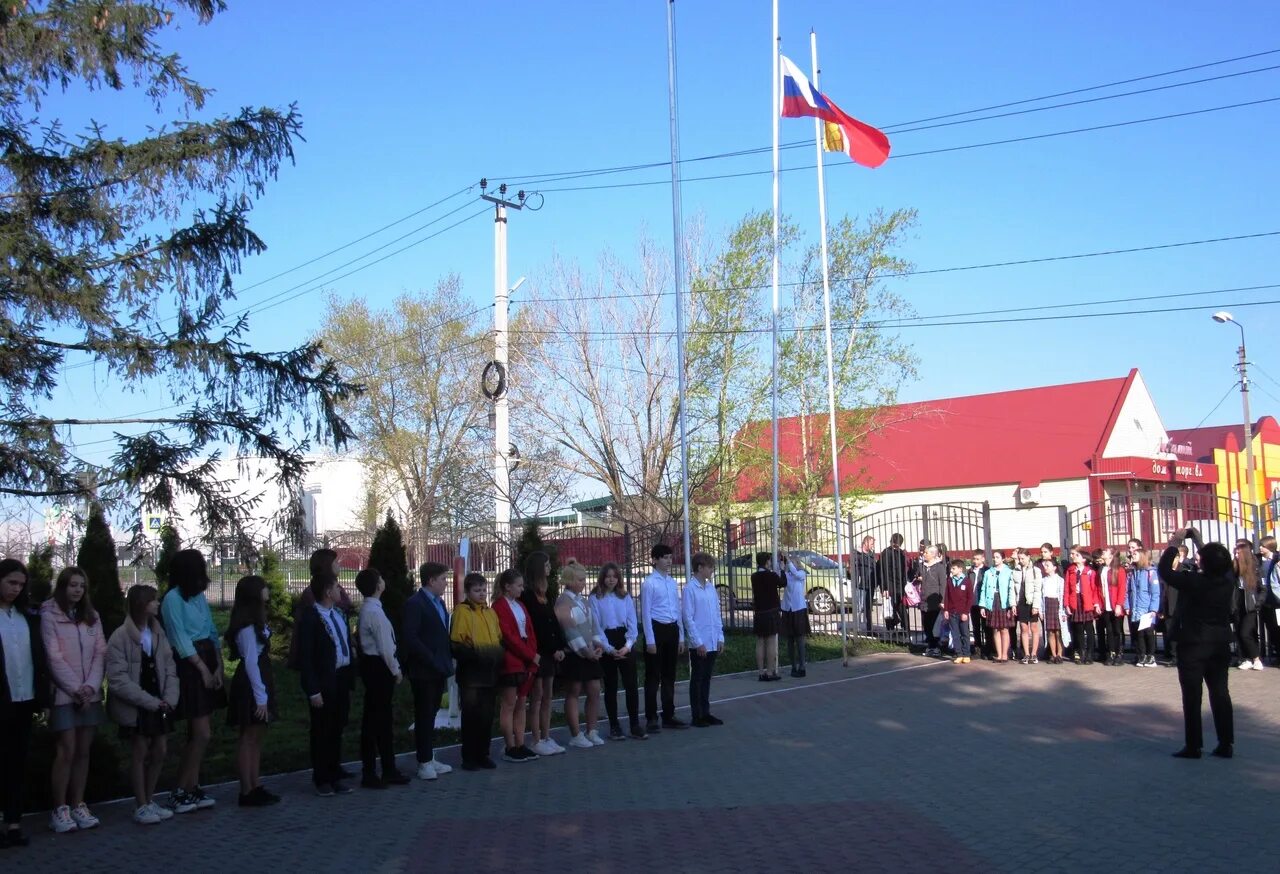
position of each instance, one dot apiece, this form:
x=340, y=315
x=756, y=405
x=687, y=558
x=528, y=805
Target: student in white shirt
x=616, y=614
x=795, y=615
x=664, y=640
x=253, y=704
x=380, y=672
x=704, y=631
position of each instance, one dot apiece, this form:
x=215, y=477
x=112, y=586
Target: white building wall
x=1138, y=430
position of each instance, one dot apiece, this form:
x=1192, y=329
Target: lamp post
x=1242, y=365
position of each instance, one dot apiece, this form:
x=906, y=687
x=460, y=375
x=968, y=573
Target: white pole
x=501, y=427
x=831, y=372
x=777, y=112
x=677, y=245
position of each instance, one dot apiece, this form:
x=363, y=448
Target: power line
x=891, y=128
x=926, y=272
x=922, y=153
x=1220, y=402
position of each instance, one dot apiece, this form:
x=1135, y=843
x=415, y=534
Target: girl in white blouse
x=616, y=613
x=253, y=703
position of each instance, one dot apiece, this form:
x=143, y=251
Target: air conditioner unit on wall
x=1029, y=495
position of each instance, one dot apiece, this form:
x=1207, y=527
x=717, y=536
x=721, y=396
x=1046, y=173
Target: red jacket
x=1089, y=588
x=958, y=599
x=1117, y=586
x=518, y=652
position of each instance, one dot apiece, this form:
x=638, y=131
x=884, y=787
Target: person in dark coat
x=865, y=577
x=1203, y=632
x=892, y=572
x=28, y=674
x=428, y=662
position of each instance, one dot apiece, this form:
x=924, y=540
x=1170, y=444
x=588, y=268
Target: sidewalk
x=857, y=768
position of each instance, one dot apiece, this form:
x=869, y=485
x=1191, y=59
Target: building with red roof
x=1086, y=462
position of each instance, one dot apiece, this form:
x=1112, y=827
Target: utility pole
x=494, y=381
x=1243, y=367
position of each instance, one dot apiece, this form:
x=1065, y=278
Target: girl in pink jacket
x=77, y=649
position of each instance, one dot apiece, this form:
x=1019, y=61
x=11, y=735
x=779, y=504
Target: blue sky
x=407, y=102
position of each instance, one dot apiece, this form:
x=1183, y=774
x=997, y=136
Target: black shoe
x=763, y=678
x=268, y=797
x=674, y=723
x=1186, y=753
x=512, y=754
x=714, y=720
x=393, y=777
x=795, y=672
x=340, y=788
x=324, y=790
x=1224, y=751
x=638, y=733
x=528, y=754
x=344, y=774
x=487, y=763
x=372, y=781
x=653, y=727
x=615, y=733
x=802, y=673
x=702, y=722
x=470, y=766
x=773, y=677
x=254, y=799
x=14, y=837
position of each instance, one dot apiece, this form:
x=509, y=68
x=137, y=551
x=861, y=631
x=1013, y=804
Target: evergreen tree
x=121, y=254
x=40, y=575
x=387, y=557
x=170, y=544
x=97, y=558
x=280, y=603
x=531, y=541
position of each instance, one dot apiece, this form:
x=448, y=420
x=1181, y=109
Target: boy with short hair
x=704, y=631
x=957, y=601
x=978, y=570
x=477, y=648
x=663, y=638
x=428, y=662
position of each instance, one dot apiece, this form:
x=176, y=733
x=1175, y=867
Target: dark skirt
x=795, y=623
x=1024, y=612
x=765, y=622
x=194, y=700
x=1052, y=611
x=151, y=723
x=1000, y=617
x=576, y=669
x=241, y=711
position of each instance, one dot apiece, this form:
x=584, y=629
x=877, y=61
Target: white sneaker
x=1245, y=666
x=545, y=748
x=558, y=748
x=595, y=738
x=441, y=768
x=163, y=812
x=427, y=771
x=580, y=742
x=61, y=822
x=146, y=815
x=84, y=819
x=1258, y=666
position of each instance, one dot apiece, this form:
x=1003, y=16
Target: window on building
x=1119, y=522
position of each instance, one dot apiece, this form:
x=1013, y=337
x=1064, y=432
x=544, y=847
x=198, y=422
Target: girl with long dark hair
x=540, y=603
x=253, y=689
x=616, y=613
x=24, y=690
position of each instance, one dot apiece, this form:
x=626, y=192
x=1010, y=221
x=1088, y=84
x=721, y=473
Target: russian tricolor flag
x=863, y=143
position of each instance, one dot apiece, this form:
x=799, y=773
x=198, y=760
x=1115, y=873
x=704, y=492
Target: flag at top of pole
x=863, y=143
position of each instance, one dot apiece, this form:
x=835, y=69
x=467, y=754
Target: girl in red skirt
x=1084, y=604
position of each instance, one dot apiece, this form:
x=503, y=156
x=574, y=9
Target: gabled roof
x=1023, y=436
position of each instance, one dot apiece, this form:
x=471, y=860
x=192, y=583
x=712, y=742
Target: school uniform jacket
x=958, y=599
x=1117, y=588
x=425, y=639
x=517, y=652
x=1089, y=588
x=318, y=654
x=997, y=589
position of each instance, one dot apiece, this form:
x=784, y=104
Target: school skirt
x=65, y=717
x=194, y=700
x=576, y=669
x=240, y=711
x=1052, y=609
x=795, y=623
x=999, y=618
x=765, y=622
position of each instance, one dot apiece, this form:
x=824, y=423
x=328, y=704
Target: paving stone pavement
x=895, y=763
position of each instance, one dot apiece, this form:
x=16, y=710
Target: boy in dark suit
x=326, y=657
x=428, y=662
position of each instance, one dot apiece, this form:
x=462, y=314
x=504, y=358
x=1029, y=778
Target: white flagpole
x=777, y=112
x=677, y=238
x=831, y=372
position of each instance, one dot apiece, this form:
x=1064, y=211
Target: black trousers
x=1247, y=635
x=1110, y=634
x=327, y=723
x=626, y=668
x=1269, y=621
x=660, y=670
x=478, y=703
x=1207, y=663
x=981, y=634
x=700, y=670
x=15, y=742
x=929, y=616
x=427, y=692
x=1082, y=640
x=1144, y=642
x=376, y=739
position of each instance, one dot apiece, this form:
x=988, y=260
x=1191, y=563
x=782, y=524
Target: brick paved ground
x=1055, y=768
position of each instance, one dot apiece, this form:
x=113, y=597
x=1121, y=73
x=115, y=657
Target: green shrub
x=170, y=544
x=97, y=558
x=40, y=575
x=387, y=557
x=530, y=542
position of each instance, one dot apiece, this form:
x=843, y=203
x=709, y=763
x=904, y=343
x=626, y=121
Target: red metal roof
x=1021, y=436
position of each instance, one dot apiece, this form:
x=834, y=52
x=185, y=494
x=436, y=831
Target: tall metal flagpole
x=831, y=371
x=677, y=243
x=777, y=112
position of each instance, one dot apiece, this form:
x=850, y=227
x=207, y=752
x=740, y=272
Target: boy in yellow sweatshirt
x=477, y=648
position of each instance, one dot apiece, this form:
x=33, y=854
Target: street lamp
x=1222, y=317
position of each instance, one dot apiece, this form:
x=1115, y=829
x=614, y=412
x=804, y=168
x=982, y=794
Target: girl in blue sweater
x=1143, y=599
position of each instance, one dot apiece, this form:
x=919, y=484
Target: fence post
x=1064, y=528
x=986, y=530
x=924, y=523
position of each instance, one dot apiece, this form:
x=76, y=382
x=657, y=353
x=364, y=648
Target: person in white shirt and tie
x=795, y=614
x=380, y=671
x=325, y=658
x=664, y=640
x=704, y=631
